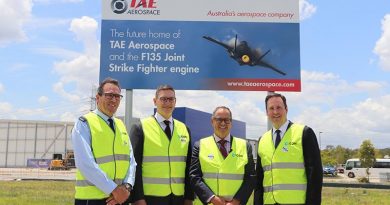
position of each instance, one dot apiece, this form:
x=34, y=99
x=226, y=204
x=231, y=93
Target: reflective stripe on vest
x=218, y=173
x=164, y=161
x=284, y=171
x=103, y=142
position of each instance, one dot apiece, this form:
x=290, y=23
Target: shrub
x=363, y=180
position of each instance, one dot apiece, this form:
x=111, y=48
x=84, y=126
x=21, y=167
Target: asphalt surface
x=36, y=174
x=44, y=174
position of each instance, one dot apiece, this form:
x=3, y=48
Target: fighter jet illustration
x=245, y=55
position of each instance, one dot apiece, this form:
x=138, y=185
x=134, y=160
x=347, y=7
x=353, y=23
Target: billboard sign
x=202, y=45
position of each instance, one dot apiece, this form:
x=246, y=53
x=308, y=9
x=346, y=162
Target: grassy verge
x=62, y=193
x=353, y=196
x=37, y=192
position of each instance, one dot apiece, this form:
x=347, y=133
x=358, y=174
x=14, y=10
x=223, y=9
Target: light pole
x=319, y=137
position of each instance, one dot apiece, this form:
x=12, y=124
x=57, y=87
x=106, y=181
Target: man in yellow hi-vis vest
x=222, y=169
x=289, y=168
x=161, y=148
x=103, y=153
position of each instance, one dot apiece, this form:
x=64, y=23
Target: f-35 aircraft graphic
x=245, y=55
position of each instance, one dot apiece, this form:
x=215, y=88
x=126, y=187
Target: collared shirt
x=227, y=139
x=160, y=119
x=85, y=162
x=282, y=129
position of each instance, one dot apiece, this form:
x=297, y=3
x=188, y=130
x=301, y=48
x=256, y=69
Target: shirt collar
x=217, y=139
x=101, y=114
x=160, y=118
x=282, y=128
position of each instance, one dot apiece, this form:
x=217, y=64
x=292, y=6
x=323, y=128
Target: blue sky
x=49, y=67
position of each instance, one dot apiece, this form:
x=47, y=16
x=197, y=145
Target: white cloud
x=85, y=29
x=370, y=86
x=13, y=17
x=27, y=113
x=59, y=52
x=349, y=126
x=68, y=117
x=82, y=70
x=324, y=105
x=1, y=88
x=318, y=76
x=60, y=89
x=306, y=9
x=43, y=100
x=382, y=47
x=5, y=107
x=323, y=88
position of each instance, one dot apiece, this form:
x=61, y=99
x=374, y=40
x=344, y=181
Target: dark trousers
x=90, y=202
x=165, y=200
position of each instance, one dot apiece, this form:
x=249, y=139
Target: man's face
x=109, y=101
x=165, y=103
x=222, y=123
x=276, y=111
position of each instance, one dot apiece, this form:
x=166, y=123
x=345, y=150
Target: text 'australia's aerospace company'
x=231, y=13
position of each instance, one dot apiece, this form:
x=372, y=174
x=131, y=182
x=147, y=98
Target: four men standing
x=220, y=171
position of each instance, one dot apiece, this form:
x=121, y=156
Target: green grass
x=36, y=192
x=353, y=196
x=62, y=193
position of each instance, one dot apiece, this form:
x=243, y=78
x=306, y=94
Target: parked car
x=340, y=168
x=329, y=170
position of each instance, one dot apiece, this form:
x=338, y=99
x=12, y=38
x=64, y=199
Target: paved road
x=35, y=173
x=343, y=178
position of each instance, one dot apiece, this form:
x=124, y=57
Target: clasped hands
x=221, y=201
x=118, y=196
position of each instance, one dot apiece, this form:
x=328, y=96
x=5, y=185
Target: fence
x=21, y=140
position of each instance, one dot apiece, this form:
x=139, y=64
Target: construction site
x=36, y=150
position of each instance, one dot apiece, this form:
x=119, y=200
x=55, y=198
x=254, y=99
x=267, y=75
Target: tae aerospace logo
x=135, y=7
x=119, y=6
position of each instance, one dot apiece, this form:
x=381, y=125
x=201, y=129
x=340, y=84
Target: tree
x=367, y=156
x=336, y=155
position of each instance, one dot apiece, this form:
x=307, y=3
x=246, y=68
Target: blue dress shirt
x=85, y=162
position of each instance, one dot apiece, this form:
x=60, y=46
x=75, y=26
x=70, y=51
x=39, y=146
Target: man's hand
x=233, y=202
x=111, y=201
x=218, y=201
x=120, y=194
x=140, y=202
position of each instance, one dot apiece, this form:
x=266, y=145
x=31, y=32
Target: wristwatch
x=128, y=186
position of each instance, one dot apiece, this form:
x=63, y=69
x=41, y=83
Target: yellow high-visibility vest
x=285, y=179
x=164, y=161
x=112, y=154
x=223, y=176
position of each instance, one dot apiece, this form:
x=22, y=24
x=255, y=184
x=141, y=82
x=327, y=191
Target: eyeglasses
x=167, y=99
x=220, y=120
x=111, y=96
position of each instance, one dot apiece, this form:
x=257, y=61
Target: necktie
x=167, y=130
x=277, y=140
x=222, y=148
x=111, y=124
